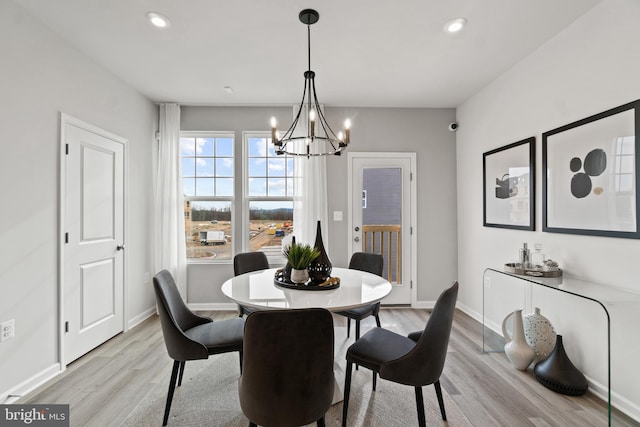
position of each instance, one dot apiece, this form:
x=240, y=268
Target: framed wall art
x=590, y=175
x=508, y=185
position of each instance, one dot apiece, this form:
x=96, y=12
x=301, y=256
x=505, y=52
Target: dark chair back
x=247, y=262
x=287, y=377
x=365, y=261
x=175, y=318
x=424, y=363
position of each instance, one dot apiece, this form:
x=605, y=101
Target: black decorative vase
x=557, y=373
x=287, y=268
x=320, y=268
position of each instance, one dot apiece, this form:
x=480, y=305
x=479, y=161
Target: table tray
x=331, y=283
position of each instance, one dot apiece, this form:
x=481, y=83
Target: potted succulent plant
x=300, y=256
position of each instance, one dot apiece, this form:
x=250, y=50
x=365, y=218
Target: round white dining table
x=257, y=289
x=357, y=288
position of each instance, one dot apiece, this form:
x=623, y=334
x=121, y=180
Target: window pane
x=187, y=146
x=204, y=187
x=204, y=146
x=290, y=187
x=257, y=147
x=224, y=147
x=208, y=230
x=277, y=187
x=269, y=223
x=277, y=167
x=188, y=166
x=204, y=167
x=257, y=167
x=189, y=187
x=224, y=167
x=257, y=187
x=271, y=151
x=224, y=187
x=290, y=169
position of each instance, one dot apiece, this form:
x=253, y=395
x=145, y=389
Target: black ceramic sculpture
x=557, y=373
x=320, y=268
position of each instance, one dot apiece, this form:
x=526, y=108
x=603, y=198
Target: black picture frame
x=590, y=175
x=509, y=186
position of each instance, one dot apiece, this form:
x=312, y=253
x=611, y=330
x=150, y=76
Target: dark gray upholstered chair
x=188, y=336
x=371, y=263
x=287, y=376
x=247, y=262
x=402, y=360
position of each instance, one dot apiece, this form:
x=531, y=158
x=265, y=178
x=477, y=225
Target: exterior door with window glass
x=381, y=215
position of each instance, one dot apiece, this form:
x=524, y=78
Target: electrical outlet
x=7, y=330
x=337, y=215
x=146, y=277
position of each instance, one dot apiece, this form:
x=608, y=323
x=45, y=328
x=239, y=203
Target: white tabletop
x=257, y=289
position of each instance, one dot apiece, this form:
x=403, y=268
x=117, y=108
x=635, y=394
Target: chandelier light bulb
x=455, y=25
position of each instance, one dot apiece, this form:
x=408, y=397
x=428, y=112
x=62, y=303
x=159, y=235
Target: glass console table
x=595, y=302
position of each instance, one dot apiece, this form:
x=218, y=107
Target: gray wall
x=587, y=69
x=423, y=131
x=41, y=76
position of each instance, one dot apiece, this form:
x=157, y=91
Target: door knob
x=120, y=248
x=357, y=229
x=356, y=239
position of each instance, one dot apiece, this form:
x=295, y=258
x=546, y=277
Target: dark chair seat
x=219, y=337
x=368, y=352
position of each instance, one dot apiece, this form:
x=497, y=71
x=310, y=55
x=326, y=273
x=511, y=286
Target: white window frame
x=246, y=199
x=231, y=199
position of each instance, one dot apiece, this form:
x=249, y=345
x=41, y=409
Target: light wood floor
x=104, y=386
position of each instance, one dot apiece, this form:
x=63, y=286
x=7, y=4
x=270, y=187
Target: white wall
x=590, y=67
x=40, y=77
x=423, y=131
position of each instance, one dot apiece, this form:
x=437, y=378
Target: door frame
x=65, y=120
x=413, y=207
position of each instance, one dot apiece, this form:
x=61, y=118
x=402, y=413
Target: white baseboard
x=141, y=317
x=13, y=395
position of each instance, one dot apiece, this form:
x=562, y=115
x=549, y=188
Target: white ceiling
x=366, y=53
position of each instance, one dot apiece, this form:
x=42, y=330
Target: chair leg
x=252, y=424
x=240, y=355
x=347, y=388
x=378, y=320
x=375, y=376
x=348, y=327
x=320, y=422
x=357, y=330
x=181, y=372
x=172, y=387
x=440, y=400
x=420, y=405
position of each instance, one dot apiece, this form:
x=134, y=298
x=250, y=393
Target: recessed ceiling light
x=228, y=89
x=455, y=25
x=158, y=20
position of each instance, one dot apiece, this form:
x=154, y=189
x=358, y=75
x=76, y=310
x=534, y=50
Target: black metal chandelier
x=319, y=134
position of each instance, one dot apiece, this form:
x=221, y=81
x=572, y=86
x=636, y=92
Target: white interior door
x=382, y=214
x=93, y=237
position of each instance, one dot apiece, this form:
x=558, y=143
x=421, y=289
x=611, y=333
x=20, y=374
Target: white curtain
x=169, y=202
x=310, y=197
